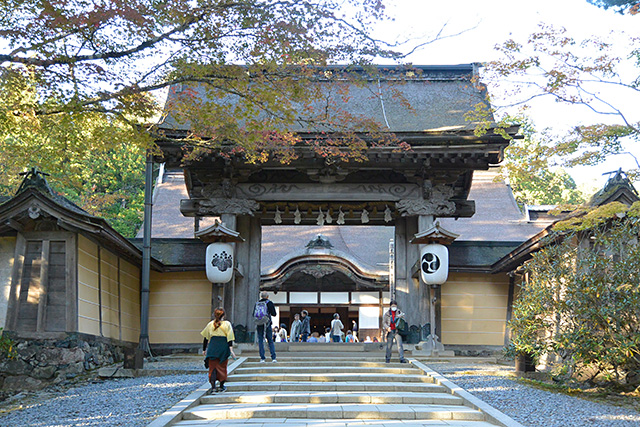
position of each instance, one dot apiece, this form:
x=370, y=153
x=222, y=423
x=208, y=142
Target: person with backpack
x=262, y=313
x=391, y=322
x=305, y=329
x=336, y=328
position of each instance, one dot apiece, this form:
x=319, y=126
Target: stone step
x=322, y=355
x=308, y=422
x=374, y=397
x=276, y=369
x=309, y=386
x=329, y=377
x=327, y=363
x=334, y=411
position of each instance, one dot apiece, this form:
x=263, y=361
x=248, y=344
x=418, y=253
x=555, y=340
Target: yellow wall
x=179, y=307
x=109, y=294
x=119, y=290
x=474, y=309
x=88, y=308
x=130, y=301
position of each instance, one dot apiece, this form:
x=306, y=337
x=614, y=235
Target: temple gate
x=408, y=190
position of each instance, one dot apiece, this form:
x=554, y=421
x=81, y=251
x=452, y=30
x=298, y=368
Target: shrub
x=7, y=347
x=580, y=299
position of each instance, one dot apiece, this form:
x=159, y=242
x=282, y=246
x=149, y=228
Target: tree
x=528, y=169
x=76, y=60
x=620, y=6
x=575, y=72
x=80, y=82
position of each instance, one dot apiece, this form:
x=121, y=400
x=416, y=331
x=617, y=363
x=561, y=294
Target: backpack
x=261, y=313
x=402, y=327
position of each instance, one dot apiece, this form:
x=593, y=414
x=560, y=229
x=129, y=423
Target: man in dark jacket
x=306, y=326
x=263, y=330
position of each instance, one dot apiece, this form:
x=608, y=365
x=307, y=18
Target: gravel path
x=131, y=402
x=531, y=406
x=136, y=402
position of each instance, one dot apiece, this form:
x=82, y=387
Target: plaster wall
x=179, y=307
x=474, y=309
x=88, y=285
x=130, y=301
x=7, y=249
x=108, y=293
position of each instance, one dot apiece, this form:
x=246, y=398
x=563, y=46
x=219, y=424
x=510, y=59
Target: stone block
x=16, y=366
x=133, y=358
x=116, y=373
x=29, y=352
x=60, y=356
x=44, y=372
x=73, y=368
x=22, y=382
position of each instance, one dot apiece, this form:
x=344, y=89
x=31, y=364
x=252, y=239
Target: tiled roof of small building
x=498, y=217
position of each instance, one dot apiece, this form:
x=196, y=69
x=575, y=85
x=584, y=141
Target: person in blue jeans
x=336, y=328
x=264, y=330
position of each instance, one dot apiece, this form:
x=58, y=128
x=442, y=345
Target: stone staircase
x=343, y=392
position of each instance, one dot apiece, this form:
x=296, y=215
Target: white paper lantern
x=219, y=262
x=434, y=264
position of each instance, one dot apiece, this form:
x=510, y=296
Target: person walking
x=336, y=328
x=296, y=327
x=263, y=310
x=354, y=328
x=389, y=321
x=305, y=328
x=217, y=346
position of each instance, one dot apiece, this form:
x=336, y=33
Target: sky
x=484, y=24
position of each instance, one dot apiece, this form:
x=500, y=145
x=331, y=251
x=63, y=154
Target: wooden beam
x=71, y=272
x=16, y=281
x=44, y=281
x=14, y=224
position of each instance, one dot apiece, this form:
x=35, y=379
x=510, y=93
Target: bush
x=7, y=347
x=580, y=300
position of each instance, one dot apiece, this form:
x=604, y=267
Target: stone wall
x=41, y=362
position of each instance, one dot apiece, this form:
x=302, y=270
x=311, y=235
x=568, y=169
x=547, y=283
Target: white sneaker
x=274, y=361
x=262, y=360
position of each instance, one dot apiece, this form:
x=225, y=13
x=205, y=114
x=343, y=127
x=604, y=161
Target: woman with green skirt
x=217, y=347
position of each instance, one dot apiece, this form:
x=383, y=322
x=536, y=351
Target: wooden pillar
x=217, y=297
x=246, y=289
x=512, y=287
x=227, y=290
x=409, y=292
